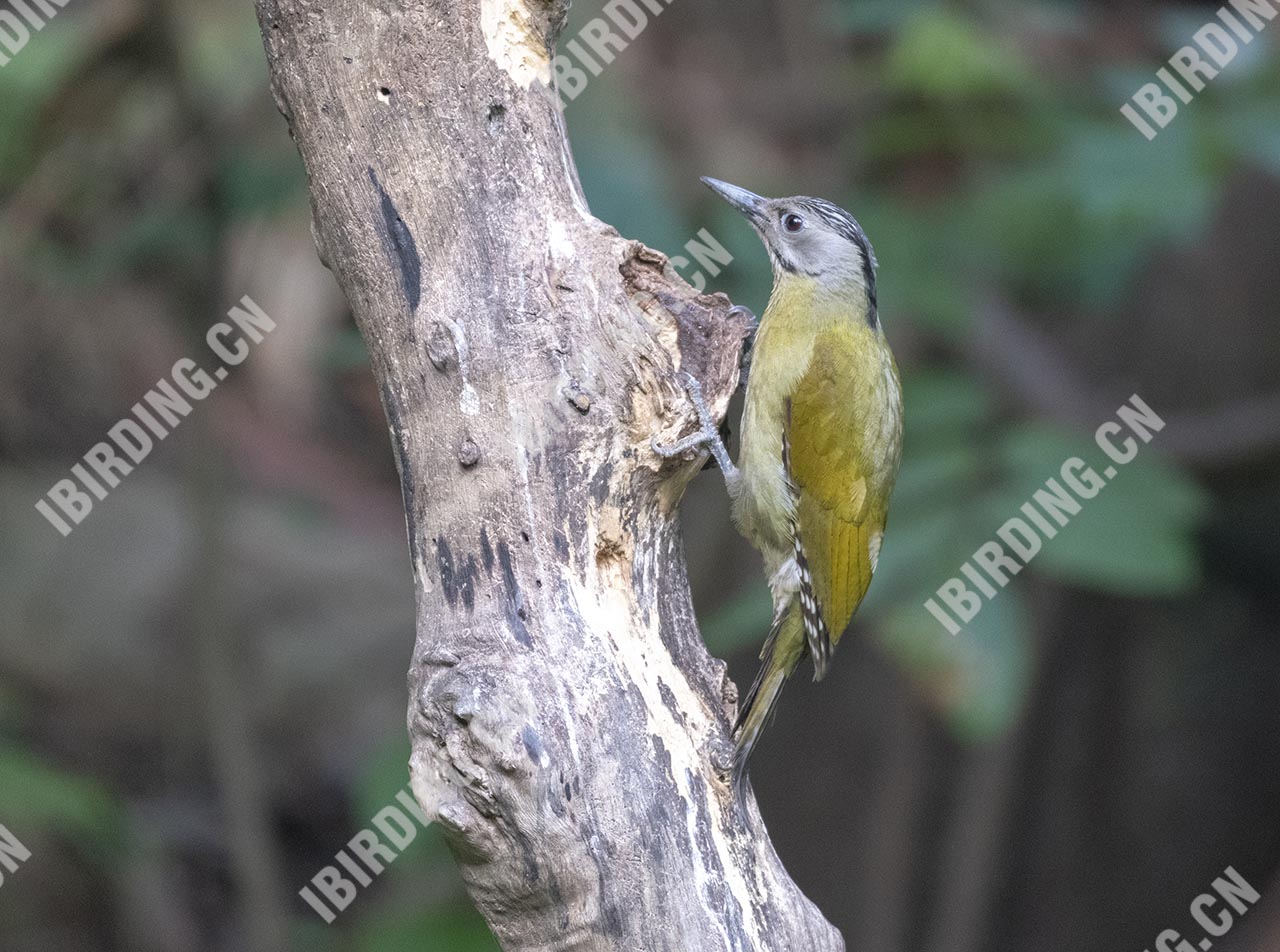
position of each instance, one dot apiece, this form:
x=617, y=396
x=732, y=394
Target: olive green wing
x=837, y=516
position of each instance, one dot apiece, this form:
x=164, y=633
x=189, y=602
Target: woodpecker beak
x=749, y=203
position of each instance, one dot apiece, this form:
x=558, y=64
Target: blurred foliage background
x=201, y=690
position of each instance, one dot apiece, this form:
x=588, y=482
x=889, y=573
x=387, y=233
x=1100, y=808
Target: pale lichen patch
x=515, y=41
x=608, y=606
x=558, y=241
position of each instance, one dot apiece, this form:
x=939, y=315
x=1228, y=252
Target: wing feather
x=837, y=511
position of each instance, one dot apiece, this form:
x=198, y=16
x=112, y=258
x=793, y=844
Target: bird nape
x=821, y=439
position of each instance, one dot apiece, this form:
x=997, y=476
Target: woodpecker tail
x=779, y=658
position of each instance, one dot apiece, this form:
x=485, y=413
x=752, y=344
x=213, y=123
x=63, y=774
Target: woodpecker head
x=808, y=237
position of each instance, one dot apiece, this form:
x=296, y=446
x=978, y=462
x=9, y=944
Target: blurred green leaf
x=1249, y=129
x=928, y=262
x=32, y=79
x=384, y=776
x=261, y=183
x=622, y=174
x=221, y=54
x=922, y=548
x=938, y=472
x=978, y=678
x=742, y=620
x=453, y=931
x=38, y=796
x=941, y=54
x=876, y=16
x=945, y=404
x=1135, y=537
x=1075, y=228
x=962, y=479
x=345, y=350
x=157, y=236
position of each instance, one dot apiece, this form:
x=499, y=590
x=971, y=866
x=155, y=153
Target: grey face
x=807, y=236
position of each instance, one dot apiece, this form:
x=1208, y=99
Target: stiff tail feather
x=778, y=660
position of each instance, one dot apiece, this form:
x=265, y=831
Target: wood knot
x=440, y=348
x=610, y=550
x=468, y=453
x=578, y=397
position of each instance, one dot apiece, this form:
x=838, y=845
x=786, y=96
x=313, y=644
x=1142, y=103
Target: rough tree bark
x=568, y=726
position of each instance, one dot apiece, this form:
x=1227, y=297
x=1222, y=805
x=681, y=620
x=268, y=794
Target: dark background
x=202, y=688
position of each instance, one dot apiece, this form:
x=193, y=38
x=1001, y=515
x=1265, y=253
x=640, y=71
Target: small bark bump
x=440, y=348
x=468, y=453
x=578, y=397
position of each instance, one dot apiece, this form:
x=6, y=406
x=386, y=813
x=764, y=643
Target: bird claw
x=675, y=449
x=693, y=389
x=738, y=309
x=691, y=386
x=708, y=434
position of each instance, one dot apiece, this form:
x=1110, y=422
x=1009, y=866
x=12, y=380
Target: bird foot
x=708, y=434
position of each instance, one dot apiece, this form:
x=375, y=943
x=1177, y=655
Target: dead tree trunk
x=566, y=719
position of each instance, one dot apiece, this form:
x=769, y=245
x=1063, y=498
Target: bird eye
x=792, y=222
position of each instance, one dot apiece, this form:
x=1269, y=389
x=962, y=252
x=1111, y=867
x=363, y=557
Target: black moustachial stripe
x=847, y=226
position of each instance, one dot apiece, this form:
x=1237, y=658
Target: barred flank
x=815, y=628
